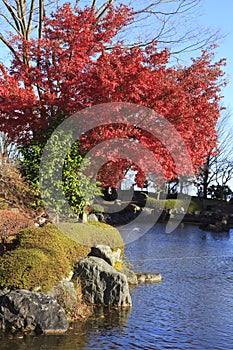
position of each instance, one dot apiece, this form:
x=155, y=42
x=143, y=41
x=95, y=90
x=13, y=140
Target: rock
x=116, y=256
x=148, y=277
x=147, y=211
x=65, y=294
x=30, y=311
x=105, y=252
x=92, y=217
x=134, y=208
x=130, y=275
x=100, y=217
x=101, y=283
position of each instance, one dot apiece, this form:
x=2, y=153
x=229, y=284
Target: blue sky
x=218, y=15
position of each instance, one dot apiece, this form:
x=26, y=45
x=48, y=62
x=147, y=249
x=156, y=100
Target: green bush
x=44, y=256
x=195, y=205
x=41, y=258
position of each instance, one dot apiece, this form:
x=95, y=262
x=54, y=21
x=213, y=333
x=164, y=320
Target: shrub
x=195, y=205
x=94, y=233
x=155, y=203
x=12, y=222
x=14, y=190
x=44, y=256
x=41, y=258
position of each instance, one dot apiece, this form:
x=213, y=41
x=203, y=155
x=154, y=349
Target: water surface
x=192, y=308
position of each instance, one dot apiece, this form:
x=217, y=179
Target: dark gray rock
x=101, y=283
x=30, y=311
x=105, y=252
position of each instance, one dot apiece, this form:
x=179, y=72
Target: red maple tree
x=77, y=65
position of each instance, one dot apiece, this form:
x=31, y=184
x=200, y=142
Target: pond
x=190, y=309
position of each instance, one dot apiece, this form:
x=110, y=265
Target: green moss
x=43, y=256
x=93, y=233
x=28, y=269
x=119, y=265
x=195, y=205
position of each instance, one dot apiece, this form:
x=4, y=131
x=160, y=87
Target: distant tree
x=220, y=192
x=217, y=170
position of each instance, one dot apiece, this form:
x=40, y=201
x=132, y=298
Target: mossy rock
x=44, y=256
x=94, y=233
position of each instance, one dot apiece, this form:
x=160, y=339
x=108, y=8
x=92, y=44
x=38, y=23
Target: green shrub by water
x=43, y=256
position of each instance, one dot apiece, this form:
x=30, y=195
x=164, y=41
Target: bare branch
x=94, y=4
x=15, y=28
x=29, y=25
x=10, y=47
x=103, y=9
x=13, y=14
x=41, y=18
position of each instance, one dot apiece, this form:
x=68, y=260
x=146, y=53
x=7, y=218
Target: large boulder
x=30, y=311
x=101, y=283
x=105, y=252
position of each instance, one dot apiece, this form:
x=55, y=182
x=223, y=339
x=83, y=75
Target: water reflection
x=219, y=236
x=72, y=340
x=108, y=317
x=103, y=320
